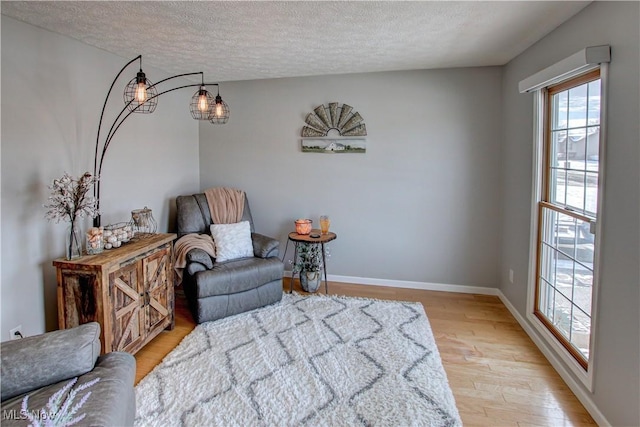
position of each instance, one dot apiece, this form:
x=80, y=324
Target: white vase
x=310, y=281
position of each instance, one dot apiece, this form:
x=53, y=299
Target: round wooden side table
x=307, y=239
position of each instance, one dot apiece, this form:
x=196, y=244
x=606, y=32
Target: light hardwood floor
x=498, y=376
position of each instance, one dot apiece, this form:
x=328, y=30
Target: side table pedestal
x=306, y=239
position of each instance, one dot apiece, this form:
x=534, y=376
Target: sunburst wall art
x=334, y=129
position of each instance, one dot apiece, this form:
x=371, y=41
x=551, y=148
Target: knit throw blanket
x=225, y=204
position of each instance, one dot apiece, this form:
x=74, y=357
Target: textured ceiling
x=257, y=40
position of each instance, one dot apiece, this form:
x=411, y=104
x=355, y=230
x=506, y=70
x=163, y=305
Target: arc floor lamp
x=141, y=96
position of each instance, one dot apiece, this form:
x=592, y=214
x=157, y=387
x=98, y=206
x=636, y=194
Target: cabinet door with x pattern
x=127, y=299
x=159, y=299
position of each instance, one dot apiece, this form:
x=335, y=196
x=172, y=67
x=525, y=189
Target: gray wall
x=53, y=88
x=442, y=194
x=617, y=375
x=423, y=203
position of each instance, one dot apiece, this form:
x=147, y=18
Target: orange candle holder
x=303, y=226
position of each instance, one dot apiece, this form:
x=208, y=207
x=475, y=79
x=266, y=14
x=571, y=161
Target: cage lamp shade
x=202, y=104
x=220, y=113
x=140, y=95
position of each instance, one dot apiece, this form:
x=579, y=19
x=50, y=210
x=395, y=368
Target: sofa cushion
x=34, y=362
x=232, y=241
x=111, y=403
x=237, y=276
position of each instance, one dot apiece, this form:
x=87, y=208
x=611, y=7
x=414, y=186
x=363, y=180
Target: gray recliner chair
x=218, y=289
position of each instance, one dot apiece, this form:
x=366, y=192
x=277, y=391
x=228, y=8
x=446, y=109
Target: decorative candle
x=303, y=226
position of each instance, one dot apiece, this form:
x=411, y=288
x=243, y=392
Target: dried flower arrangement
x=69, y=201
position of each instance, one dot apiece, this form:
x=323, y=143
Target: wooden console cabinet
x=128, y=290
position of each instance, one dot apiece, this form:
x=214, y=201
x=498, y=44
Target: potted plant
x=309, y=263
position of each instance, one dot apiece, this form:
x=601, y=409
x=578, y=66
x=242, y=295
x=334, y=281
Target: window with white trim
x=568, y=212
x=569, y=140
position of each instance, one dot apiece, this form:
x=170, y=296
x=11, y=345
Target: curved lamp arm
x=112, y=131
x=116, y=125
x=119, y=120
x=104, y=106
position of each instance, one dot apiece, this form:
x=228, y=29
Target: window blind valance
x=584, y=60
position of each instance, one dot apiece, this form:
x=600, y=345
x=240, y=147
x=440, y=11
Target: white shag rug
x=308, y=360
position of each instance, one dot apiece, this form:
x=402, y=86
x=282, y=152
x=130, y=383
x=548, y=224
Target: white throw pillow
x=232, y=240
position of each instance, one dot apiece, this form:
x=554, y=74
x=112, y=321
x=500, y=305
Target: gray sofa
x=218, y=289
x=41, y=365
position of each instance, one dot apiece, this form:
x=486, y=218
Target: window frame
x=540, y=192
x=546, y=202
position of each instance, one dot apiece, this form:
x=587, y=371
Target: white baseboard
x=463, y=289
x=582, y=395
x=564, y=373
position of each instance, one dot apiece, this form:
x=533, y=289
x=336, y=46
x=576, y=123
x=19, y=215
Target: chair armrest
x=115, y=402
x=34, y=362
x=200, y=256
x=194, y=267
x=264, y=247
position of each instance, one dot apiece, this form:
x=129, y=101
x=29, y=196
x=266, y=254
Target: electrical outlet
x=16, y=333
x=511, y=275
